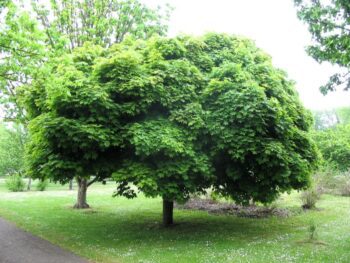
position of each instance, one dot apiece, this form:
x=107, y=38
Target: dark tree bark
x=168, y=207
x=82, y=189
x=71, y=185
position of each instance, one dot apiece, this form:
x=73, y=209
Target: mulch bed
x=215, y=207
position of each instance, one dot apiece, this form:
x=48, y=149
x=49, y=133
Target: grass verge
x=121, y=230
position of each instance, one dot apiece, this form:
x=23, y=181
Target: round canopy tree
x=208, y=111
x=74, y=123
x=171, y=117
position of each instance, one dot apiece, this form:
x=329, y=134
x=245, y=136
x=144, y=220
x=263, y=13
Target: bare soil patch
x=215, y=207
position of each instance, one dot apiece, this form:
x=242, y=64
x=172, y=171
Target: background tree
x=11, y=149
x=21, y=54
x=329, y=24
x=58, y=26
x=343, y=115
x=325, y=119
x=334, y=144
x=28, y=43
x=74, y=124
x=69, y=24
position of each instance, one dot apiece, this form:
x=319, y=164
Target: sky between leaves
x=274, y=25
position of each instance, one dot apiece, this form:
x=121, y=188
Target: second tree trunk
x=168, y=207
x=81, y=198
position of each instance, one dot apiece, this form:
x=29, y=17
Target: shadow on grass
x=144, y=225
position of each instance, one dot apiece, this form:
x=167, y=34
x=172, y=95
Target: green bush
x=42, y=185
x=344, y=186
x=15, y=183
x=309, y=198
x=332, y=182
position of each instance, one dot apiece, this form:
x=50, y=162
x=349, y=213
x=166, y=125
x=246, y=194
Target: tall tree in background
x=29, y=42
x=27, y=39
x=12, y=141
x=343, y=115
x=325, y=119
x=22, y=52
x=69, y=24
x=74, y=125
x=329, y=118
x=334, y=144
x=329, y=24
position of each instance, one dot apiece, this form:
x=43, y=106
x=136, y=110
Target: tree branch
x=93, y=181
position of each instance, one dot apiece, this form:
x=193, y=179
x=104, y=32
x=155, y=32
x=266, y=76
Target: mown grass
x=121, y=230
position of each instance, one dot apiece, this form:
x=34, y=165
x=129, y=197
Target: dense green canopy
x=334, y=145
x=74, y=128
x=258, y=127
x=12, y=139
x=158, y=92
x=241, y=112
x=170, y=117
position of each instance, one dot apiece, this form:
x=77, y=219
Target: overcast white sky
x=274, y=26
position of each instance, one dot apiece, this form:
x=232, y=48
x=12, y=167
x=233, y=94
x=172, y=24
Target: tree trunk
x=168, y=207
x=29, y=184
x=71, y=185
x=82, y=189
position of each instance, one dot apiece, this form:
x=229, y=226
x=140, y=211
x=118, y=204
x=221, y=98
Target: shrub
x=331, y=181
x=326, y=180
x=309, y=198
x=42, y=185
x=344, y=186
x=15, y=183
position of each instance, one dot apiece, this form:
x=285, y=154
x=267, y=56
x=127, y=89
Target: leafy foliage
x=21, y=53
x=69, y=24
x=334, y=144
x=29, y=39
x=157, y=91
x=15, y=183
x=329, y=25
x=12, y=141
x=171, y=117
x=42, y=185
x=258, y=128
x=255, y=129
x=343, y=115
x=71, y=134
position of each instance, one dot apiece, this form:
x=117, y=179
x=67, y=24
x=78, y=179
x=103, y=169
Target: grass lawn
x=121, y=230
